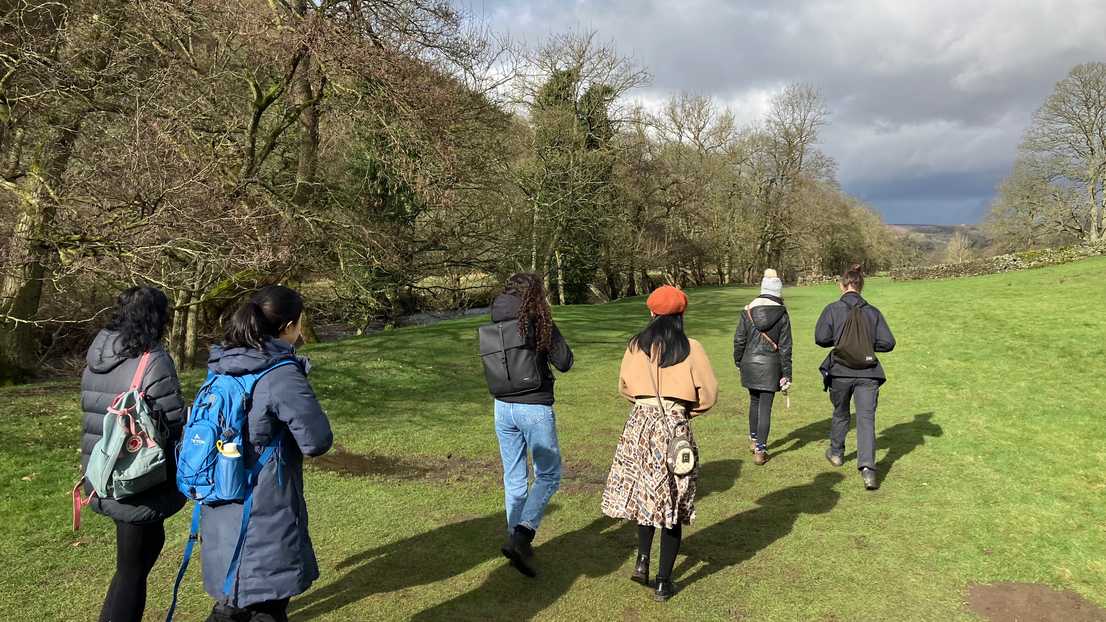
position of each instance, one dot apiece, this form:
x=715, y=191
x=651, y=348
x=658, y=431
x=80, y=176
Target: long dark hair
x=534, y=310
x=664, y=339
x=854, y=278
x=140, y=317
x=270, y=310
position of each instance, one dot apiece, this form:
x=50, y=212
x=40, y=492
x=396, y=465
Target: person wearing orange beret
x=669, y=380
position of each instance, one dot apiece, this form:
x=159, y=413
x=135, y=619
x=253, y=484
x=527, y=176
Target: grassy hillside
x=991, y=440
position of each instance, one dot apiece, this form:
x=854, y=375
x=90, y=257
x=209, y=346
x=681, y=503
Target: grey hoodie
x=278, y=560
x=109, y=373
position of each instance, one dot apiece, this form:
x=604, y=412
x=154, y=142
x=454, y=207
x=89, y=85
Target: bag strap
x=503, y=350
x=79, y=503
x=247, y=506
x=655, y=380
x=775, y=346
x=136, y=382
x=193, y=536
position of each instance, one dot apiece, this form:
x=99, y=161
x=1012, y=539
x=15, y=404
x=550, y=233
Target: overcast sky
x=929, y=98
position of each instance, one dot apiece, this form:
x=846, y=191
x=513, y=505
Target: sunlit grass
x=991, y=424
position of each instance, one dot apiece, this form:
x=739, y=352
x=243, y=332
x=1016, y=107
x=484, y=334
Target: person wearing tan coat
x=669, y=380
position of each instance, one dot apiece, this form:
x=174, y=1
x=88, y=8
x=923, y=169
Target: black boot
x=641, y=570
x=871, y=480
x=518, y=549
x=666, y=589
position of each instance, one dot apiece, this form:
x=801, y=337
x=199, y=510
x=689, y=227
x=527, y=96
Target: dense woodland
x=392, y=156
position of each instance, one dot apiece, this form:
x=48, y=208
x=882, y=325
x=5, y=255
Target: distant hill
x=932, y=241
x=943, y=233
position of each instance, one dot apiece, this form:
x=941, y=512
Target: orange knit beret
x=667, y=300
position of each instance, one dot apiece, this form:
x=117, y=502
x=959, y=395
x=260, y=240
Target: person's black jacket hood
x=505, y=307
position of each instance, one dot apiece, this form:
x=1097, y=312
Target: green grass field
x=992, y=440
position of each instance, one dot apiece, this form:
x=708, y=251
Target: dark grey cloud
x=929, y=99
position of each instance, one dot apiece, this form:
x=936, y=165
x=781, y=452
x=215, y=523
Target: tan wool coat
x=691, y=380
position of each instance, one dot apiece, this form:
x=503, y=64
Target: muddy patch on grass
x=1031, y=602
x=582, y=478
x=450, y=468
x=577, y=476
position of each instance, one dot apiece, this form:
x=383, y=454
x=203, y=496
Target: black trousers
x=136, y=550
x=268, y=611
x=760, y=416
x=865, y=392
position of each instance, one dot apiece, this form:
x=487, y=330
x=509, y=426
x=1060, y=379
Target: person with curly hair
x=525, y=423
x=136, y=328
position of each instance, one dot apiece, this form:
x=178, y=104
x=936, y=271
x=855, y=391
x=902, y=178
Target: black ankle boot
x=519, y=550
x=641, y=570
x=666, y=589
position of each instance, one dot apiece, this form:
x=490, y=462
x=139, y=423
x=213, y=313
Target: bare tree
x=1068, y=136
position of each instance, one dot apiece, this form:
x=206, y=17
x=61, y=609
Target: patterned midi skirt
x=640, y=487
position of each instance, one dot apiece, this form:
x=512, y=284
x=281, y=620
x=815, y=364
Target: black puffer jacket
x=761, y=366
x=832, y=323
x=504, y=308
x=108, y=374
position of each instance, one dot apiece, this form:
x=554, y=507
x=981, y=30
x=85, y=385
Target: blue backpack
x=211, y=469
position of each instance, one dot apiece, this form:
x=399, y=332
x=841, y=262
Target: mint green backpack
x=129, y=458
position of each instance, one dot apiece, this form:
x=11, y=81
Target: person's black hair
x=140, y=317
x=854, y=278
x=263, y=317
x=664, y=340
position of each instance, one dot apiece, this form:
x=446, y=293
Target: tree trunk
x=177, y=329
x=560, y=277
x=1096, y=211
x=309, y=133
x=25, y=263
x=191, y=337
x=534, y=241
x=614, y=284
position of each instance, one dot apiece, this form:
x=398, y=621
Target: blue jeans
x=522, y=428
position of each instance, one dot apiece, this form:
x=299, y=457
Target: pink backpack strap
x=136, y=383
x=79, y=503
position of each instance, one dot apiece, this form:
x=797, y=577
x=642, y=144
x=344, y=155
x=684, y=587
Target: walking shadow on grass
x=596, y=550
x=442, y=553
x=901, y=439
x=801, y=437
x=600, y=548
x=740, y=537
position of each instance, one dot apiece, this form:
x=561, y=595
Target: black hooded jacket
x=761, y=365
x=108, y=374
x=504, y=308
x=832, y=323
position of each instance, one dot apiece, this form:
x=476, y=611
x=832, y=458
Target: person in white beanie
x=762, y=351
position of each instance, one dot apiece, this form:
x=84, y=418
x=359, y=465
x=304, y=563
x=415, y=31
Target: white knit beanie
x=771, y=284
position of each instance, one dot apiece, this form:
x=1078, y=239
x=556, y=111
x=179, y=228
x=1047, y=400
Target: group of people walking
x=668, y=378
x=257, y=553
